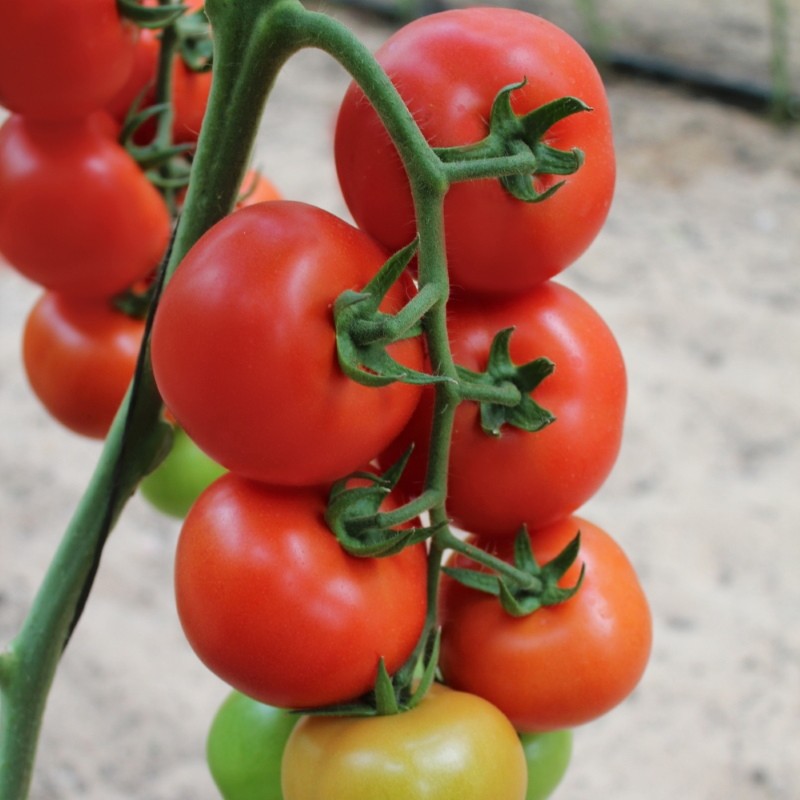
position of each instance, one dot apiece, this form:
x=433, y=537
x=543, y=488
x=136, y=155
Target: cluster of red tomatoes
x=78, y=214
x=244, y=354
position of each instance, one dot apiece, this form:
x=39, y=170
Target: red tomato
x=497, y=483
x=244, y=350
x=563, y=665
x=448, y=68
x=61, y=59
x=80, y=357
x=77, y=215
x=273, y=605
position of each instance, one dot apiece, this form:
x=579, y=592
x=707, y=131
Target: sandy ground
x=698, y=274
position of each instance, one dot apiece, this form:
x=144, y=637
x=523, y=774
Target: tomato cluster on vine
x=268, y=598
x=80, y=212
x=357, y=391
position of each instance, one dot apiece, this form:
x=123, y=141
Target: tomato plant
x=107, y=226
x=291, y=347
x=562, y=665
x=496, y=483
x=178, y=480
x=273, y=604
x=79, y=357
x=245, y=746
x=61, y=59
x=448, y=68
x=548, y=756
x=452, y=746
x=257, y=385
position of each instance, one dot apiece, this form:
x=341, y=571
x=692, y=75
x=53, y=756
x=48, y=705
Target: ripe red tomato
x=80, y=357
x=448, y=68
x=563, y=665
x=77, y=215
x=61, y=59
x=244, y=350
x=497, y=483
x=189, y=88
x=273, y=604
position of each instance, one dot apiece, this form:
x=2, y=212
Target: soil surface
x=698, y=274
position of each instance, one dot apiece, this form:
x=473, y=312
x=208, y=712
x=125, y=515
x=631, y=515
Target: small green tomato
x=548, y=756
x=244, y=748
x=177, y=481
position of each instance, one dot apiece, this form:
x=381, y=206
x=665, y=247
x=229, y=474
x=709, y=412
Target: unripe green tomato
x=177, y=481
x=244, y=748
x=548, y=756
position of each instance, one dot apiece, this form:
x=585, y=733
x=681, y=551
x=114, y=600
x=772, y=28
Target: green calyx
x=515, y=407
x=533, y=586
x=363, y=332
x=353, y=514
x=393, y=694
x=514, y=150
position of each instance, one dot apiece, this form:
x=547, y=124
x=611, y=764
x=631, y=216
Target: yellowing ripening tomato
x=452, y=746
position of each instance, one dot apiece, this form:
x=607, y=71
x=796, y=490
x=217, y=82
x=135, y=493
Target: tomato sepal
x=514, y=150
x=363, y=333
x=354, y=517
x=535, y=587
x=520, y=410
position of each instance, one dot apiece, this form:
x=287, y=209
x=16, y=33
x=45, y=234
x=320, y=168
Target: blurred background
x=698, y=274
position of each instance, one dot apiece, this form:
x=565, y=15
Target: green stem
x=446, y=539
x=524, y=163
x=391, y=328
x=411, y=510
x=503, y=394
x=32, y=657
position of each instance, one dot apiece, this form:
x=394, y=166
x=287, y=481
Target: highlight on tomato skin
x=79, y=358
x=563, y=665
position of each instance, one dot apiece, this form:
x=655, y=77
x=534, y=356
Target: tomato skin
x=77, y=215
x=61, y=59
x=245, y=746
x=563, y=665
x=448, y=68
x=548, y=756
x=257, y=385
x=79, y=357
x=497, y=483
x=180, y=478
x=453, y=746
x=275, y=607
